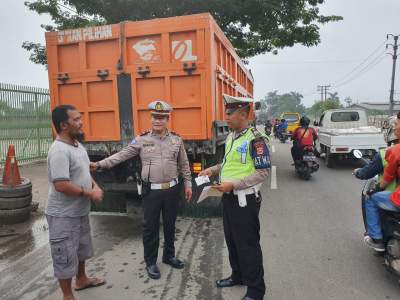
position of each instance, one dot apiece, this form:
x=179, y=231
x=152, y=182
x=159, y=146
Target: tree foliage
x=319, y=107
x=253, y=26
x=274, y=104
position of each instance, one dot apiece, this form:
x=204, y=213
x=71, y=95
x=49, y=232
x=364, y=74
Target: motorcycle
x=307, y=165
x=282, y=137
x=390, y=222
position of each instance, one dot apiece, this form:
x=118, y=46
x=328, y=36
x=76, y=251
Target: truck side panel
x=187, y=61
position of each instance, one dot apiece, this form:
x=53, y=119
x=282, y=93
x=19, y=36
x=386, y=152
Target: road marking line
x=273, y=148
x=274, y=182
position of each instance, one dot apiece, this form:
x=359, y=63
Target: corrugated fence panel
x=25, y=122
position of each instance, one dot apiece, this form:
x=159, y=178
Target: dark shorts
x=70, y=243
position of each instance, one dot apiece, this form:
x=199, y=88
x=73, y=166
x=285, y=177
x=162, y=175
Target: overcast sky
x=344, y=47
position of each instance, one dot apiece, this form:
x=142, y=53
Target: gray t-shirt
x=68, y=162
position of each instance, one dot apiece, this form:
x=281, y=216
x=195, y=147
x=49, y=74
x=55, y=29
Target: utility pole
x=394, y=56
x=324, y=90
x=320, y=89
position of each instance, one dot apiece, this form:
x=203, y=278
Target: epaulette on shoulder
x=174, y=133
x=257, y=134
x=145, y=133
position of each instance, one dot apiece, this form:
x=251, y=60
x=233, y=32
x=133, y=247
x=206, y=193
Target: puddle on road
x=21, y=239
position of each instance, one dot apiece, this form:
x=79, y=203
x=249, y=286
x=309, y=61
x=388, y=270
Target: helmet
x=304, y=121
x=390, y=136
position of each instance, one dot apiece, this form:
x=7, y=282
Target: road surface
x=311, y=239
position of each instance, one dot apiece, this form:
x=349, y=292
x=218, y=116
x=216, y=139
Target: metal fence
x=25, y=122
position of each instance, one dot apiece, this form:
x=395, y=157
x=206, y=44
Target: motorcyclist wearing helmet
x=380, y=197
x=282, y=127
x=304, y=136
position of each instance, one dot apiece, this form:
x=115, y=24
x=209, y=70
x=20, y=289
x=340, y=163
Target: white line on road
x=274, y=182
x=273, y=148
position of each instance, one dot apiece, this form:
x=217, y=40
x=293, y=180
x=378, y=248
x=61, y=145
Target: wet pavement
x=25, y=262
x=26, y=268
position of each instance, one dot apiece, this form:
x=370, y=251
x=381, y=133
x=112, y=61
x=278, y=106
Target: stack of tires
x=15, y=202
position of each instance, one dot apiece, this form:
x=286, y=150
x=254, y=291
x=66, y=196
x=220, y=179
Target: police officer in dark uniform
x=163, y=158
x=244, y=168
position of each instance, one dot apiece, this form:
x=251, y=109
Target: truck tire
x=15, y=202
x=24, y=189
x=14, y=216
x=329, y=158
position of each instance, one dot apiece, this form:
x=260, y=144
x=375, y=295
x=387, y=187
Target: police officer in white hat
x=163, y=158
x=244, y=169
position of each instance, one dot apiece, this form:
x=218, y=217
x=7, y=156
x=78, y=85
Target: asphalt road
x=311, y=239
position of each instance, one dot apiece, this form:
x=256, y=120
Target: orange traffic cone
x=11, y=175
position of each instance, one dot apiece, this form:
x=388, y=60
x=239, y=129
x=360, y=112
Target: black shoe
x=153, y=271
x=228, y=282
x=174, y=262
x=247, y=298
x=376, y=244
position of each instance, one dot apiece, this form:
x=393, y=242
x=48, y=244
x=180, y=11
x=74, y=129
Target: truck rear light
x=342, y=149
x=196, y=168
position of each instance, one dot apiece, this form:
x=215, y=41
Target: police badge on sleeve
x=260, y=155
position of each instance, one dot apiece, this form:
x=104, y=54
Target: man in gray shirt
x=71, y=188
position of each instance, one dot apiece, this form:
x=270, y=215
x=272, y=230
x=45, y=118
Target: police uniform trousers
x=166, y=202
x=242, y=236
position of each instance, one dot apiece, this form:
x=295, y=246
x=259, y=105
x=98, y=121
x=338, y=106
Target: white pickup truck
x=341, y=131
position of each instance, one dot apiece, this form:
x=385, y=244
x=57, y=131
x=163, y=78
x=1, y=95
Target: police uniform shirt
x=163, y=157
x=261, y=159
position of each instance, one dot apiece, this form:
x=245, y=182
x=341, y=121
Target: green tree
x=319, y=107
x=253, y=26
x=276, y=104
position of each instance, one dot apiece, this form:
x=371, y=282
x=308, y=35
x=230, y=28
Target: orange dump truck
x=112, y=72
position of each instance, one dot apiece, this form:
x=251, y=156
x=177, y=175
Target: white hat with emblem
x=234, y=103
x=160, y=107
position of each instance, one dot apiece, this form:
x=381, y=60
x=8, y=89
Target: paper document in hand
x=202, y=180
x=209, y=191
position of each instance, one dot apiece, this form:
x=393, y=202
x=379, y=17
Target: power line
x=361, y=64
x=364, y=70
x=72, y=10
x=68, y=8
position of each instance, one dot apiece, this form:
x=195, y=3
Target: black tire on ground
x=24, y=189
x=15, y=202
x=328, y=159
x=14, y=216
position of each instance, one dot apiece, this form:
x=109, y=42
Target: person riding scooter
x=303, y=137
x=282, y=127
x=385, y=165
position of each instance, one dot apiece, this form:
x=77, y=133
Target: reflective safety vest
x=392, y=186
x=238, y=162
